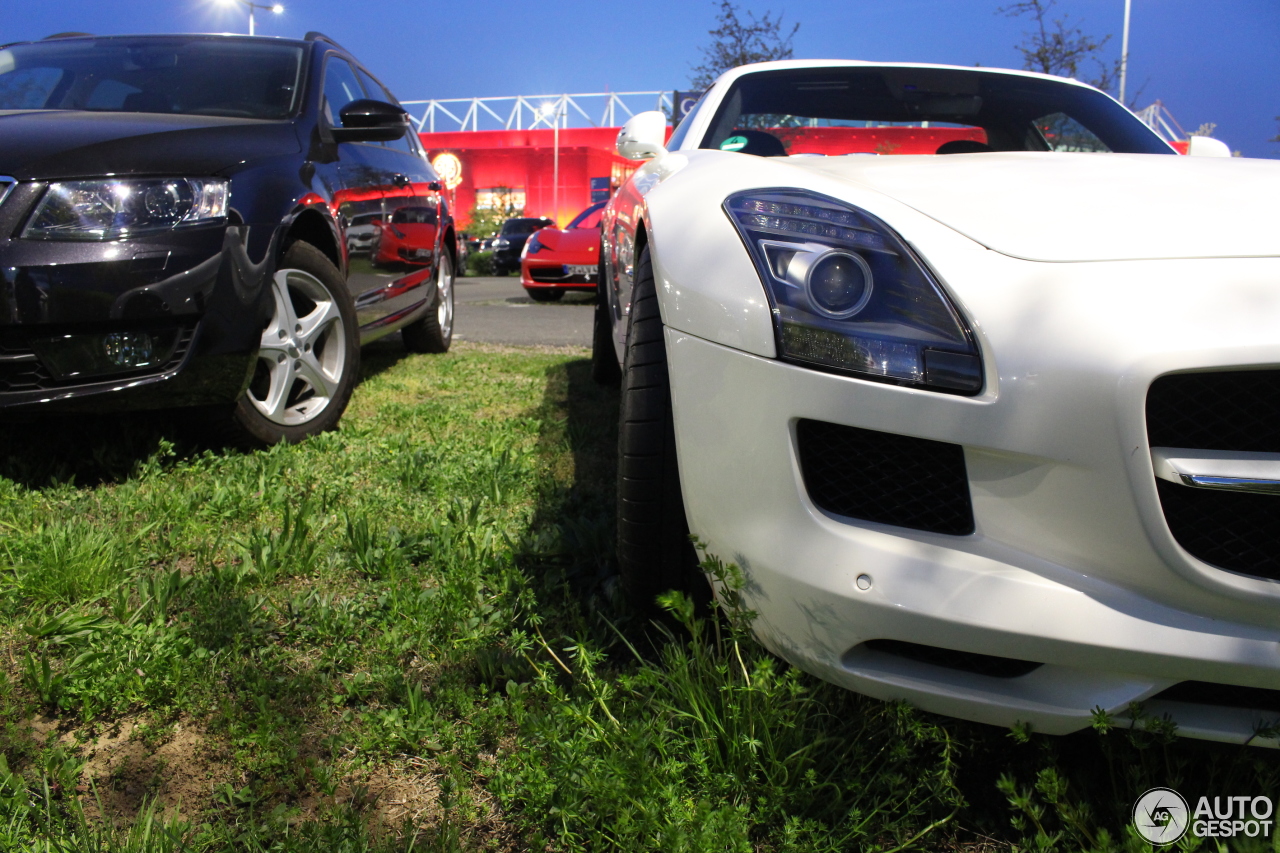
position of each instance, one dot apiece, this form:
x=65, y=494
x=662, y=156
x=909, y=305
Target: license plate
x=588, y=270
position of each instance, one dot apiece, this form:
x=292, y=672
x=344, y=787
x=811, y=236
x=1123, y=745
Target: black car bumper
x=156, y=322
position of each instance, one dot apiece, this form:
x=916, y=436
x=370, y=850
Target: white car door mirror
x=643, y=136
x=1207, y=146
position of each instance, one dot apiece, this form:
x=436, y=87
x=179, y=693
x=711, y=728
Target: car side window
x=340, y=88
x=1063, y=133
x=379, y=92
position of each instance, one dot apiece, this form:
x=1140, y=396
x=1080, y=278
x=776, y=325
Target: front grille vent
x=21, y=371
x=1228, y=410
x=1235, y=410
x=885, y=477
x=1223, y=696
x=978, y=664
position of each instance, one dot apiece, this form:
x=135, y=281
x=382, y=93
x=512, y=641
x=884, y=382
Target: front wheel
x=309, y=354
x=433, y=332
x=655, y=553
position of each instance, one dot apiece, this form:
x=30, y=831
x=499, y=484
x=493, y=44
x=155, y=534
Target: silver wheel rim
x=302, y=354
x=444, y=284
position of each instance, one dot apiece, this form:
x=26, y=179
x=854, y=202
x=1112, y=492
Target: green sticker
x=734, y=143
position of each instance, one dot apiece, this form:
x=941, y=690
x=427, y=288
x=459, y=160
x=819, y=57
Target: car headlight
x=501, y=244
x=532, y=246
x=848, y=294
x=113, y=209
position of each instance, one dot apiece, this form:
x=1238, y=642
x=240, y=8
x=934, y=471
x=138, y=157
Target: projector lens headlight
x=848, y=295
x=114, y=210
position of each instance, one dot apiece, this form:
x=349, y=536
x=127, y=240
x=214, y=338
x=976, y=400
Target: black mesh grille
x=1228, y=410
x=1233, y=530
x=989, y=665
x=1231, y=410
x=880, y=476
x=1223, y=696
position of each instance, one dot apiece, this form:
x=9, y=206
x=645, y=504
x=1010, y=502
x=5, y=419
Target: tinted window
x=523, y=226
x=340, y=87
x=199, y=76
x=774, y=113
x=379, y=92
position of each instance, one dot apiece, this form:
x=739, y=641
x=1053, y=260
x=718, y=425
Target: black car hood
x=55, y=144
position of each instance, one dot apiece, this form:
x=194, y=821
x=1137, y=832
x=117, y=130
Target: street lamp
x=275, y=8
x=554, y=110
x=1124, y=51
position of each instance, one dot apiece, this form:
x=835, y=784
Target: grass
x=406, y=635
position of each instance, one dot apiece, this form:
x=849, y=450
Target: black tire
x=304, y=375
x=433, y=331
x=654, y=550
x=604, y=358
x=545, y=294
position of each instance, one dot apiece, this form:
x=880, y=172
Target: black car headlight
x=115, y=209
x=848, y=294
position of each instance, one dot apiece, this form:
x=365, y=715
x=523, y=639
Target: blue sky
x=1209, y=62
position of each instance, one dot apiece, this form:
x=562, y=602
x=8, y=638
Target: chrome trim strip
x=1233, y=484
x=1225, y=470
x=6, y=184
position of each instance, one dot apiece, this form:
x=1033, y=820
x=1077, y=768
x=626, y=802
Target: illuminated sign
x=449, y=168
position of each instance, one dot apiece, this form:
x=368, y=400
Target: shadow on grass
x=92, y=449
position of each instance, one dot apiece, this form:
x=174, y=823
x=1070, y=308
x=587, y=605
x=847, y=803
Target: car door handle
x=435, y=186
x=401, y=180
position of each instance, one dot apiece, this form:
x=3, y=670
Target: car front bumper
x=197, y=294
x=1071, y=566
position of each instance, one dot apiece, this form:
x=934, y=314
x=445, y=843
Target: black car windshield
x=903, y=110
x=195, y=75
x=523, y=226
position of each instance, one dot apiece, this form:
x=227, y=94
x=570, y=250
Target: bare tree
x=737, y=42
x=1059, y=46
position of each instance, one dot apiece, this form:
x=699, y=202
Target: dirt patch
x=131, y=764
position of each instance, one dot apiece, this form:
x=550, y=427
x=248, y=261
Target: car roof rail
x=318, y=36
x=68, y=35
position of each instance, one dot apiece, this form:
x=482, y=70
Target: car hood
x=1083, y=207
x=572, y=240
x=45, y=144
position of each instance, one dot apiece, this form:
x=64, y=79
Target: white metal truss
x=1158, y=118
x=531, y=111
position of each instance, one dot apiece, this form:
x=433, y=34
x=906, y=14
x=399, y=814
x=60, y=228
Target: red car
x=554, y=261
x=401, y=241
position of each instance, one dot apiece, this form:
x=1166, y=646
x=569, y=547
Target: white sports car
x=991, y=424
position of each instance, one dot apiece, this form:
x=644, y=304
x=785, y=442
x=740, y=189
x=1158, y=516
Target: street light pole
x=1124, y=50
x=275, y=8
x=555, y=172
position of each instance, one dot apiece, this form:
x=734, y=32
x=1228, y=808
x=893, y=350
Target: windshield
x=589, y=218
x=833, y=111
x=213, y=76
x=523, y=226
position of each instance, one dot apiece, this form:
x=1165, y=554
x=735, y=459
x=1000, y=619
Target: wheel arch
x=311, y=226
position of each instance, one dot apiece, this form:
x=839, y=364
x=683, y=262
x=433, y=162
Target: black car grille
x=884, y=477
x=1223, y=696
x=978, y=664
x=1235, y=410
x=21, y=370
x=1232, y=410
x=556, y=275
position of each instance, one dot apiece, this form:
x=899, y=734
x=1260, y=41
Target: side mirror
x=1207, y=146
x=367, y=120
x=644, y=136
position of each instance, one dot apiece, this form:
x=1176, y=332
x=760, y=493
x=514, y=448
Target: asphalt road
x=495, y=310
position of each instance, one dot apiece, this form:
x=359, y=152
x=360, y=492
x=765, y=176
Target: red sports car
x=554, y=261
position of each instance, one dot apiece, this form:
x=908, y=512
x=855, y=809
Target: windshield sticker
x=734, y=143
